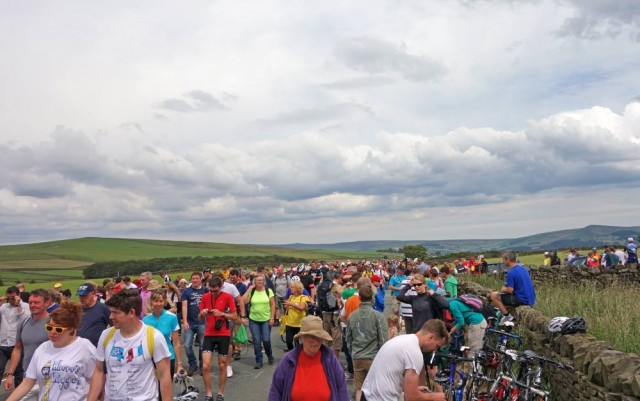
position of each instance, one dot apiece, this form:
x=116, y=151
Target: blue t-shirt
x=242, y=288
x=193, y=297
x=396, y=281
x=518, y=278
x=166, y=324
x=632, y=253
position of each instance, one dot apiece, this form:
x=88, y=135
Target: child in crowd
x=393, y=323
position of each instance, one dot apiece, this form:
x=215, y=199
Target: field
x=610, y=312
x=43, y=264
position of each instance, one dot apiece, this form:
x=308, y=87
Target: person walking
x=95, y=315
x=192, y=325
x=135, y=355
x=13, y=313
x=261, y=317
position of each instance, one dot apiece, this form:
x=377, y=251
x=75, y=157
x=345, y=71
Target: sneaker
x=219, y=397
x=229, y=371
x=258, y=365
x=506, y=319
x=208, y=398
x=270, y=359
x=191, y=371
x=348, y=376
x=236, y=355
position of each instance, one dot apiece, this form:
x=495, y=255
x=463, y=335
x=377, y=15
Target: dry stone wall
x=601, y=372
x=565, y=274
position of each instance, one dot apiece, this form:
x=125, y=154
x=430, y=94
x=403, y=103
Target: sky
x=273, y=122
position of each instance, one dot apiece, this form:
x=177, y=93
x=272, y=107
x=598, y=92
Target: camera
x=219, y=323
x=209, y=312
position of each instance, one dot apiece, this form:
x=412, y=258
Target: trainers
x=229, y=371
x=270, y=359
x=258, y=365
x=348, y=376
x=506, y=319
x=191, y=371
x=236, y=355
x=208, y=398
x=219, y=397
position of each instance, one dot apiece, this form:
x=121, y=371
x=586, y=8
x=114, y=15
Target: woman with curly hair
x=62, y=367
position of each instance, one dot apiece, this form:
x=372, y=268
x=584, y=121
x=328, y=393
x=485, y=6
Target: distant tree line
x=135, y=267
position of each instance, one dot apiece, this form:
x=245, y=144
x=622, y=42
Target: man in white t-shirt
x=399, y=366
x=124, y=355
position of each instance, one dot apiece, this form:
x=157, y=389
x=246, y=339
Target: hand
x=8, y=383
x=185, y=326
x=439, y=396
x=271, y=322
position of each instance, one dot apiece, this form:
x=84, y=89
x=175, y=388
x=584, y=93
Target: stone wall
x=601, y=373
x=573, y=275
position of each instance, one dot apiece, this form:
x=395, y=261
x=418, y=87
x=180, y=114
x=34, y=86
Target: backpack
x=326, y=298
x=475, y=303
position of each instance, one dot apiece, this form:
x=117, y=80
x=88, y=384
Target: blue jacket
x=282, y=381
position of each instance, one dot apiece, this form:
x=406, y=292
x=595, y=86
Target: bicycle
x=452, y=380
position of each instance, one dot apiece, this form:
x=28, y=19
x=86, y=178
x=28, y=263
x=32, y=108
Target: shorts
x=360, y=369
x=216, y=343
x=510, y=299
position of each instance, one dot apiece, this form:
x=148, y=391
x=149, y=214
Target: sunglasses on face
x=418, y=284
x=57, y=329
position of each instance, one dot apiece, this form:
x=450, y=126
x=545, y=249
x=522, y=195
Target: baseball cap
x=546, y=253
x=206, y=270
x=375, y=278
x=57, y=285
x=85, y=289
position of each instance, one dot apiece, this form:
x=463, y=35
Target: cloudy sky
x=317, y=121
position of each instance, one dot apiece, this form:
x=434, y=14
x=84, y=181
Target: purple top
x=284, y=375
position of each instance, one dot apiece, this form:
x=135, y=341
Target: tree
x=415, y=251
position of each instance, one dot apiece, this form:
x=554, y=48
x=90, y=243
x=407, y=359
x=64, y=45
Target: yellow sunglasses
x=57, y=329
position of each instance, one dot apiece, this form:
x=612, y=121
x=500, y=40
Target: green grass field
x=608, y=311
x=62, y=261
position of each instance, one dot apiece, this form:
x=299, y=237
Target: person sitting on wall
x=518, y=289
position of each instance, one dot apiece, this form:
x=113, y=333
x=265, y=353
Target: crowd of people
x=124, y=339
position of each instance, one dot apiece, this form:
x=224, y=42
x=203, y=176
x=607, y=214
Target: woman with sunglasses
x=425, y=305
x=62, y=367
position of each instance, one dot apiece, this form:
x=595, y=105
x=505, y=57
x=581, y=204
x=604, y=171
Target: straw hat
x=153, y=285
x=312, y=326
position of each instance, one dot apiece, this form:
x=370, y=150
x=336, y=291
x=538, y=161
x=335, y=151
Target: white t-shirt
x=385, y=379
x=130, y=374
x=63, y=373
x=230, y=289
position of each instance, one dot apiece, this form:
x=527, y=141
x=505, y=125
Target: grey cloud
x=195, y=101
x=359, y=83
x=375, y=56
x=131, y=127
x=318, y=114
x=599, y=19
x=160, y=117
x=214, y=187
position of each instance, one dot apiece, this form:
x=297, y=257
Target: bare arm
x=507, y=290
x=164, y=376
x=97, y=382
x=16, y=355
x=185, y=324
x=175, y=340
x=22, y=390
x=414, y=390
x=272, y=306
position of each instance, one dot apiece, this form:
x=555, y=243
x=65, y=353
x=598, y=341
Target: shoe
x=506, y=319
x=276, y=323
x=208, y=398
x=236, y=355
x=348, y=376
x=219, y=397
x=270, y=359
x=229, y=371
x=191, y=371
x=258, y=365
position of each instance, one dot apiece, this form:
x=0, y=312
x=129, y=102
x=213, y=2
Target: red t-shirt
x=310, y=382
x=221, y=302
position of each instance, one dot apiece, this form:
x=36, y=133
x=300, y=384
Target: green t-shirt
x=348, y=293
x=260, y=308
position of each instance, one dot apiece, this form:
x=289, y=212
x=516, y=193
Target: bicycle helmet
x=189, y=394
x=301, y=268
x=441, y=377
x=555, y=324
x=295, y=278
x=574, y=325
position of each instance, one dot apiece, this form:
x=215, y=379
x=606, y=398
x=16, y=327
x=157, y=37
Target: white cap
x=630, y=239
x=546, y=253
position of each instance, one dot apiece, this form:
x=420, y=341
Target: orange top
x=310, y=382
x=351, y=305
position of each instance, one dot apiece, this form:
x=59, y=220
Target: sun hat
x=312, y=326
x=57, y=285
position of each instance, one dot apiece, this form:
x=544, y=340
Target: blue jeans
x=261, y=333
x=188, y=343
